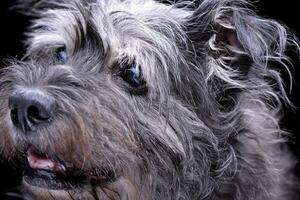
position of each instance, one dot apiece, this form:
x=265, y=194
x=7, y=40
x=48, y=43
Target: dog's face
x=134, y=99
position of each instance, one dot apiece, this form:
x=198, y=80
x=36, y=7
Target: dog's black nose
x=30, y=109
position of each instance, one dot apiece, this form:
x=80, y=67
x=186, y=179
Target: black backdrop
x=13, y=25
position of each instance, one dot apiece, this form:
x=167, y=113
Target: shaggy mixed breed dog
x=145, y=100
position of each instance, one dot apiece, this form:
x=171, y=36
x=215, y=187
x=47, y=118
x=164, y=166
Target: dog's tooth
x=58, y=168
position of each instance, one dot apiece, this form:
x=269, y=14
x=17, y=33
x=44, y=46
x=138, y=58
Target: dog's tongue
x=39, y=161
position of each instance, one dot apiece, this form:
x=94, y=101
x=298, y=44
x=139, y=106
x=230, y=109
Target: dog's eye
x=61, y=54
x=133, y=75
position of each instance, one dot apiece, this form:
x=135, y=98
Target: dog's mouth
x=45, y=172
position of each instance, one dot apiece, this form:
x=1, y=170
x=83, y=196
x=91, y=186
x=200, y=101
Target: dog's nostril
x=29, y=109
x=36, y=114
x=14, y=115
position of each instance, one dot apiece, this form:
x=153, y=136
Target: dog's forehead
x=122, y=25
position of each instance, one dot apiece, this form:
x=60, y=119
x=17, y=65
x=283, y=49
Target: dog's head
x=137, y=99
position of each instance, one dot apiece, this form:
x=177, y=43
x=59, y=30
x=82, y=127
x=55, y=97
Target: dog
x=148, y=100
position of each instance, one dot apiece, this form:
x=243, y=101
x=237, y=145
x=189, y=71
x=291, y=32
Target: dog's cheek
x=7, y=147
x=6, y=143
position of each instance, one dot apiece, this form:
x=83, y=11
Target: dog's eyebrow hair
x=86, y=34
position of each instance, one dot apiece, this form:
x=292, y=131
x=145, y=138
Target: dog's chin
x=53, y=181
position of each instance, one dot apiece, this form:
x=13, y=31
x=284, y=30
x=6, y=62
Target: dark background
x=13, y=25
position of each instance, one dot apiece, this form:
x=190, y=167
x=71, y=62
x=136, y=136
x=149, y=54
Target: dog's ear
x=237, y=40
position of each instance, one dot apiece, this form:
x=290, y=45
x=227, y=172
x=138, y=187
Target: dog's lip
x=57, y=174
x=40, y=161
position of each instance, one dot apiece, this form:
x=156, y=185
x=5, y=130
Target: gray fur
x=208, y=128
